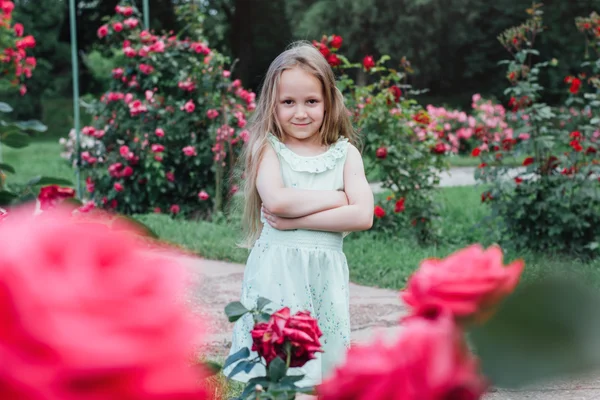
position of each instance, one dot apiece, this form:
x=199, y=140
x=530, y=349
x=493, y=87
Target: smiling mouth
x=308, y=123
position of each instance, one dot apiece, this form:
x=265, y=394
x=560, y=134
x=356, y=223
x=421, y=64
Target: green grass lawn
x=374, y=259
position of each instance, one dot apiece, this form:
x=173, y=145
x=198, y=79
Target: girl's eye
x=288, y=102
x=313, y=101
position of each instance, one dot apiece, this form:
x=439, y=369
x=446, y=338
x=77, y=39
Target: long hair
x=336, y=123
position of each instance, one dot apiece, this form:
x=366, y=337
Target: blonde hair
x=336, y=123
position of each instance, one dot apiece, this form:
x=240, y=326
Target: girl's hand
x=279, y=223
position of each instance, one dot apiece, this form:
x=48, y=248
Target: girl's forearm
x=294, y=203
x=348, y=218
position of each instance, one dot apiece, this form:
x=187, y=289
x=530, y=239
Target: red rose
x=396, y=92
x=518, y=180
x=381, y=152
x=399, y=205
x=467, y=282
x=421, y=118
x=575, y=85
x=476, y=152
x=92, y=314
x=52, y=195
x=428, y=361
x=368, y=62
x=528, y=161
x=379, y=212
x=576, y=145
x=336, y=41
x=299, y=330
x=334, y=60
x=439, y=148
x=323, y=49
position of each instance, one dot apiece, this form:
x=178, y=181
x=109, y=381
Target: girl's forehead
x=297, y=80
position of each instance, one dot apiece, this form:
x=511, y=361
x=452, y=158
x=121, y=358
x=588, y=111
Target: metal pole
x=146, y=15
x=75, y=68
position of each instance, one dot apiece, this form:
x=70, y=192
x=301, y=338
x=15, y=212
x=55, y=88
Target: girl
x=305, y=186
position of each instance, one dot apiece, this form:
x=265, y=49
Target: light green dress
x=301, y=269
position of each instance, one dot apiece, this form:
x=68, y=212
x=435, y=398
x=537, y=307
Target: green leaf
x=16, y=140
x=7, y=168
x=262, y=302
x=240, y=354
x=32, y=125
x=6, y=197
x=243, y=365
x=277, y=369
x=547, y=329
x=263, y=317
x=235, y=311
x=5, y=108
x=47, y=180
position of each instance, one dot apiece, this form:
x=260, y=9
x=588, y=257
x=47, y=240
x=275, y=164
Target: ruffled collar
x=315, y=164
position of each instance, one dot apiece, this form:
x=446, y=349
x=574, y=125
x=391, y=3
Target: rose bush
x=170, y=128
x=393, y=129
x=554, y=202
x=16, y=66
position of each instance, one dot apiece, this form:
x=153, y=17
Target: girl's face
x=300, y=105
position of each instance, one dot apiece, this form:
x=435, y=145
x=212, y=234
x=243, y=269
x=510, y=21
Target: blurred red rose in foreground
x=86, y=312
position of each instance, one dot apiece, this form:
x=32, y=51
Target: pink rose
x=212, y=113
x=124, y=151
x=189, y=106
x=131, y=23
x=127, y=172
x=129, y=52
x=157, y=148
x=19, y=30
x=89, y=185
x=203, y=195
x=381, y=152
x=118, y=187
x=99, y=320
x=226, y=74
x=174, y=209
x=468, y=282
x=118, y=27
x=427, y=362
x=159, y=132
x=102, y=31
x=170, y=176
x=189, y=151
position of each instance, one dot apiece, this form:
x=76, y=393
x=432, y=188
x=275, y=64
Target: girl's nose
x=301, y=113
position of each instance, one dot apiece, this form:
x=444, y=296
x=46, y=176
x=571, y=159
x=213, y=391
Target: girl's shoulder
x=335, y=155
